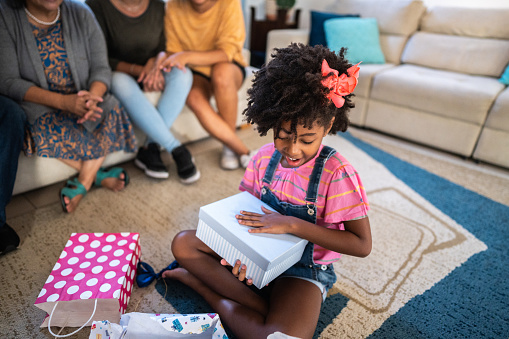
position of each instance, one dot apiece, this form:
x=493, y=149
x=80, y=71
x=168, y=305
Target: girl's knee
x=182, y=242
x=221, y=80
x=183, y=77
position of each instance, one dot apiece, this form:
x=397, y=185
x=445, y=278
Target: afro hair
x=289, y=88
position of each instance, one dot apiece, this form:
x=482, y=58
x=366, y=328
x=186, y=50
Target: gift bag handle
x=79, y=329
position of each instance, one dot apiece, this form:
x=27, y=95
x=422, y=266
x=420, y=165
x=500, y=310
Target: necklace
x=45, y=23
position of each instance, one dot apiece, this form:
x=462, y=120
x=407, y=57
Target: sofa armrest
x=279, y=38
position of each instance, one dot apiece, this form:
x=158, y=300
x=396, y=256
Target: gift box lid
x=267, y=250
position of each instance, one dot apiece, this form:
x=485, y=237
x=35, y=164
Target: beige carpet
x=159, y=209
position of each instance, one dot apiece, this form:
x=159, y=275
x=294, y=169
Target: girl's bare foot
x=179, y=273
x=185, y=277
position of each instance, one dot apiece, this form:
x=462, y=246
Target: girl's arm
x=196, y=58
x=355, y=240
x=151, y=75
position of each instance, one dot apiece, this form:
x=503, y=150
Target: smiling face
x=299, y=149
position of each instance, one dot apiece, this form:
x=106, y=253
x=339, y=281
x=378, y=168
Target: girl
x=302, y=94
x=207, y=36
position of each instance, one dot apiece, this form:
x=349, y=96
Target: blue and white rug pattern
x=438, y=268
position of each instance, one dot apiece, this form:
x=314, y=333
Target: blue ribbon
x=145, y=274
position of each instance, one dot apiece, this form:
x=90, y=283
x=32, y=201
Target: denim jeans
x=12, y=124
x=154, y=121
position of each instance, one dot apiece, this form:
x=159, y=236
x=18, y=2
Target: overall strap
x=271, y=167
x=316, y=175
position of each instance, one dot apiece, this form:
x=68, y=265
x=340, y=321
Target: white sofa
x=35, y=172
x=439, y=86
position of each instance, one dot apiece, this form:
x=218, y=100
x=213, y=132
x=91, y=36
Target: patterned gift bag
x=92, y=279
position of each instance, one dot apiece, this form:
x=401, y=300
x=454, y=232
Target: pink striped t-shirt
x=341, y=195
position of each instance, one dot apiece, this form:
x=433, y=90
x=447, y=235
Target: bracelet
x=131, y=69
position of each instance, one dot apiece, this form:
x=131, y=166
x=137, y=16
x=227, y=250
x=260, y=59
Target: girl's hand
x=238, y=270
x=151, y=77
x=178, y=60
x=269, y=222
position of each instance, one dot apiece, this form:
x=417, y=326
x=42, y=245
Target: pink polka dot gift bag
x=91, y=281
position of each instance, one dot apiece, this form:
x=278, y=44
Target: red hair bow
x=339, y=85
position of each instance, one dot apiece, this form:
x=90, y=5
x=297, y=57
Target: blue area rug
x=473, y=300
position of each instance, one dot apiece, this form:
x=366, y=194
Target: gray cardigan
x=20, y=62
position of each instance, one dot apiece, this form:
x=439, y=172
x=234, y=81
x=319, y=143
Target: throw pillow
x=359, y=35
x=317, y=33
x=505, y=77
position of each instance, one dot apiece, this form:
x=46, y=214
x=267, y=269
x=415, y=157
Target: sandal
x=113, y=172
x=72, y=189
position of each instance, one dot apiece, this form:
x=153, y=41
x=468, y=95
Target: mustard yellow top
x=221, y=27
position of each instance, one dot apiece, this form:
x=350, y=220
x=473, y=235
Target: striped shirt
x=341, y=195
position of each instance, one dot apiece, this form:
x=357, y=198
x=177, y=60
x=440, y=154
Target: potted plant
x=283, y=6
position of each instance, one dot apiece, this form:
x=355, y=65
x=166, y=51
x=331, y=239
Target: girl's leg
x=199, y=102
x=196, y=257
x=141, y=111
x=294, y=308
x=226, y=80
x=173, y=98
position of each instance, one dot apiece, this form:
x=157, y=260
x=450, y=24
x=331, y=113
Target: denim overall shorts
x=306, y=267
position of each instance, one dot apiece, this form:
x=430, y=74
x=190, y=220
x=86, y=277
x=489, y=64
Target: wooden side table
x=260, y=29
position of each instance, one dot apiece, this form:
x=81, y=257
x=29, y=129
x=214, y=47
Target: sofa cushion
x=450, y=94
x=498, y=117
x=359, y=35
x=494, y=140
x=397, y=20
x=466, y=40
x=445, y=133
x=317, y=32
x=400, y=17
x=366, y=74
x=481, y=56
x=492, y=147
x=472, y=22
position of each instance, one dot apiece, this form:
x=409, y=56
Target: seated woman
x=134, y=32
x=208, y=35
x=53, y=61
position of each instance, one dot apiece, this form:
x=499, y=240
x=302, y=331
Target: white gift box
x=266, y=256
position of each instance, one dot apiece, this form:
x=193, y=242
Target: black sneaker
x=149, y=160
x=185, y=165
x=9, y=240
